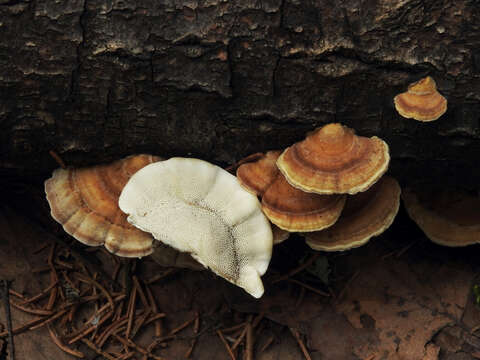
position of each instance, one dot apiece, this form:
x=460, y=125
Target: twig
x=62, y=346
x=225, y=343
x=158, y=323
x=40, y=295
x=267, y=344
x=300, y=297
x=240, y=338
x=298, y=268
x=347, y=284
x=189, y=352
x=97, y=350
x=311, y=288
x=22, y=328
x=49, y=319
x=102, y=338
x=257, y=320
x=250, y=342
x=57, y=158
x=196, y=324
x=16, y=294
x=182, y=326
x=161, y=276
x=6, y=303
x=131, y=311
x=87, y=279
x=91, y=328
x=297, y=337
x=140, y=292
x=234, y=327
x=29, y=310
x=141, y=320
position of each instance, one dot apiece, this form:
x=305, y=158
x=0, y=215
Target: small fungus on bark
x=421, y=101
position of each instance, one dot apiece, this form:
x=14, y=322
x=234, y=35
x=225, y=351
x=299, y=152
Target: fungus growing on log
x=199, y=208
x=447, y=217
x=293, y=210
x=333, y=160
x=422, y=101
x=257, y=176
x=365, y=215
x=85, y=202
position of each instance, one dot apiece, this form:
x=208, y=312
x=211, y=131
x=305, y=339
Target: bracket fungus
x=199, y=208
x=447, y=217
x=333, y=160
x=422, y=101
x=365, y=215
x=257, y=176
x=85, y=202
x=293, y=210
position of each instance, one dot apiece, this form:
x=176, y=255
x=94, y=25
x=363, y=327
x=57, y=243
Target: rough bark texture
x=218, y=79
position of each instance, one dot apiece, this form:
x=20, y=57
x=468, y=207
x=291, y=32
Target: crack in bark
x=274, y=75
x=76, y=70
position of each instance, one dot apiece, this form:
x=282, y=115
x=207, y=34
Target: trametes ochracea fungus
x=447, y=217
x=85, y=202
x=365, y=215
x=333, y=160
x=421, y=101
x=288, y=208
x=340, y=155
x=199, y=208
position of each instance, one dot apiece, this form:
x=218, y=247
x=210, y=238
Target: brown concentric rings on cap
x=333, y=160
x=257, y=176
x=294, y=210
x=421, y=101
x=85, y=202
x=365, y=215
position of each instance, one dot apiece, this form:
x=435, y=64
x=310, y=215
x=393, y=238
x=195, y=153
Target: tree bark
x=220, y=79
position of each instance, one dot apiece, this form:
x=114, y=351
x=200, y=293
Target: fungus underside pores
x=199, y=208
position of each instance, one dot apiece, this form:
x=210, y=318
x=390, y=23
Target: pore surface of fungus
x=292, y=209
x=333, y=160
x=85, y=202
x=422, y=101
x=258, y=175
x=199, y=208
x=447, y=217
x=365, y=215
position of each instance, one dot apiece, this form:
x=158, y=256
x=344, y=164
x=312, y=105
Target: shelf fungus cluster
x=421, y=101
x=447, y=217
x=329, y=186
x=188, y=204
x=85, y=202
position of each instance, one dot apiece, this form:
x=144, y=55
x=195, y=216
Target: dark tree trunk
x=219, y=79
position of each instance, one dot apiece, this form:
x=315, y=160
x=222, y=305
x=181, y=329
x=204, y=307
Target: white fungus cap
x=199, y=208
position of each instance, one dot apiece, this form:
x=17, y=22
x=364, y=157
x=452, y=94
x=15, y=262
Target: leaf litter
x=399, y=297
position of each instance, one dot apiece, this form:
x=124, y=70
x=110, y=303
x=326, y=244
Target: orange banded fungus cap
x=365, y=215
x=257, y=176
x=422, y=101
x=294, y=210
x=447, y=217
x=333, y=160
x=85, y=202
